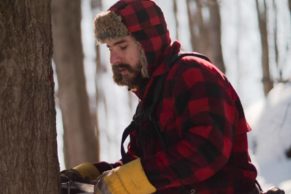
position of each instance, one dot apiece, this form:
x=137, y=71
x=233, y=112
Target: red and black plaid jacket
x=201, y=146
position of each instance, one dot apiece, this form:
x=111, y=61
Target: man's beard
x=132, y=79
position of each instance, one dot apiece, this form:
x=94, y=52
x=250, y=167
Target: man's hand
x=85, y=172
x=129, y=178
x=70, y=175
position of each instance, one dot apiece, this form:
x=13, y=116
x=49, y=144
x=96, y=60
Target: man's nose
x=115, y=58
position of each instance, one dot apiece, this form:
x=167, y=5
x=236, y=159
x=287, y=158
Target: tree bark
x=28, y=147
x=80, y=143
x=262, y=20
x=215, y=35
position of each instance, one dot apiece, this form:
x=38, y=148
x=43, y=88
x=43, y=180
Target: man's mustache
x=117, y=67
x=123, y=65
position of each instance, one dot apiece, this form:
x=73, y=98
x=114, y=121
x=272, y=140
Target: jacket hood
x=142, y=19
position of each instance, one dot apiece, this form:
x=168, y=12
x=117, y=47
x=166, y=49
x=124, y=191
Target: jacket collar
x=162, y=68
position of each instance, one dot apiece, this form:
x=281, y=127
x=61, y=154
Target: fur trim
x=108, y=25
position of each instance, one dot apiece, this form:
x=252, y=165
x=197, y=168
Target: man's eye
x=123, y=47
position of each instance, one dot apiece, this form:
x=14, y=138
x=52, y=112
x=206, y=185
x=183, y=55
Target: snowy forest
x=59, y=105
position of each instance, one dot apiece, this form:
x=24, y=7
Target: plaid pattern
x=145, y=21
x=200, y=117
x=203, y=123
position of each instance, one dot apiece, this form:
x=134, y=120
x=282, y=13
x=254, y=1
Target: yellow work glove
x=127, y=179
x=84, y=172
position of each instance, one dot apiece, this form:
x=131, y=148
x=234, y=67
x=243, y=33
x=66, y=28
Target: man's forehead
x=117, y=41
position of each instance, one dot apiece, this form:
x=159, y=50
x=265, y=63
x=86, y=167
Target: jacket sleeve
x=204, y=114
x=130, y=156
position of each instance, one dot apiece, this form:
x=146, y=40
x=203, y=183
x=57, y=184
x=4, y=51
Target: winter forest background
x=247, y=39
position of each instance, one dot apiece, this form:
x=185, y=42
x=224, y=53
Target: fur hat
x=108, y=25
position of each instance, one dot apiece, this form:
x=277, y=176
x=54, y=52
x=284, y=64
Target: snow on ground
x=271, y=137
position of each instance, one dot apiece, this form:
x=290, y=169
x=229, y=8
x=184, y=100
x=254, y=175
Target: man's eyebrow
x=116, y=43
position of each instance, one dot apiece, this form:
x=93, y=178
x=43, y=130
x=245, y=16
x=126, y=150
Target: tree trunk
x=205, y=32
x=202, y=37
x=96, y=6
x=196, y=26
x=80, y=143
x=276, y=48
x=177, y=24
x=276, y=33
x=28, y=147
x=191, y=24
x=238, y=41
x=215, y=35
x=262, y=20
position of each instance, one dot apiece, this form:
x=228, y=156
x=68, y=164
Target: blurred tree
x=262, y=20
x=276, y=32
x=80, y=143
x=215, y=34
x=97, y=6
x=275, y=38
x=238, y=42
x=28, y=146
x=197, y=29
x=205, y=29
x=175, y=10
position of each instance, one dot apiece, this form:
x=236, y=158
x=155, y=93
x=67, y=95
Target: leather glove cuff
x=87, y=170
x=129, y=178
